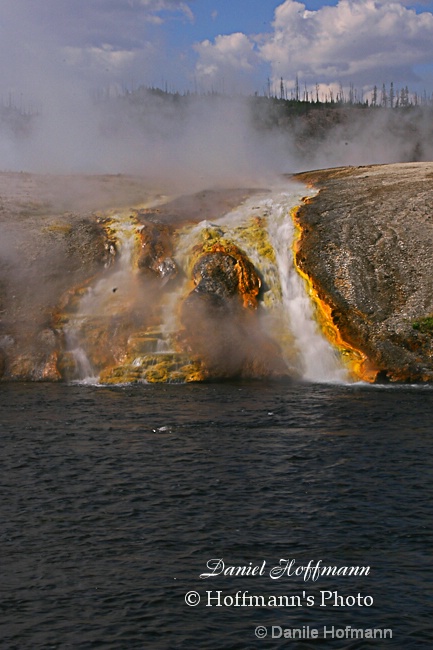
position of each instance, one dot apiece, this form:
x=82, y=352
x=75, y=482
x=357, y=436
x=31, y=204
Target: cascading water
x=318, y=360
x=83, y=370
x=110, y=336
x=104, y=303
x=287, y=309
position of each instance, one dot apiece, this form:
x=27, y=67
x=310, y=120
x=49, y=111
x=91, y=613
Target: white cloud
x=156, y=6
x=104, y=56
x=91, y=42
x=230, y=58
x=356, y=40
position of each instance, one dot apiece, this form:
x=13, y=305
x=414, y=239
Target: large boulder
x=220, y=319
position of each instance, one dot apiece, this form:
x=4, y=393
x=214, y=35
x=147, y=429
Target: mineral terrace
x=366, y=244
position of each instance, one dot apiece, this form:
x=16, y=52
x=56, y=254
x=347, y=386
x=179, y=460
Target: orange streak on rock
x=360, y=367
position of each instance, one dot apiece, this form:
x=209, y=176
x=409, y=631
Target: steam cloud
x=203, y=141
x=54, y=69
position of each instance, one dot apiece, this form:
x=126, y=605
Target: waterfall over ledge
x=220, y=283
x=211, y=300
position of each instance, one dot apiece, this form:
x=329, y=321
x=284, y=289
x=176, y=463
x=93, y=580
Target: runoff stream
x=262, y=228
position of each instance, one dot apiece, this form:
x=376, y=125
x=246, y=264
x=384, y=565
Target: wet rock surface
x=55, y=240
x=156, y=249
x=205, y=205
x=39, y=260
x=220, y=321
x=367, y=245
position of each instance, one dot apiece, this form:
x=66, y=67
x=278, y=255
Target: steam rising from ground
x=57, y=53
x=201, y=141
x=373, y=136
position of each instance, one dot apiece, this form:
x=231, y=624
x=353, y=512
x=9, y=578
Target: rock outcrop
x=39, y=260
x=156, y=249
x=367, y=247
x=56, y=241
x=219, y=317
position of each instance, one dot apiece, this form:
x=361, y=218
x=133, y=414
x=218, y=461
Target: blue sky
x=225, y=45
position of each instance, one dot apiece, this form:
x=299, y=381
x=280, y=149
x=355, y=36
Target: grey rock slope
x=367, y=245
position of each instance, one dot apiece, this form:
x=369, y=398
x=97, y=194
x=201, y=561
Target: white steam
x=56, y=61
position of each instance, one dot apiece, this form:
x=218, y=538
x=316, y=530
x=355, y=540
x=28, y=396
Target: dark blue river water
x=113, y=500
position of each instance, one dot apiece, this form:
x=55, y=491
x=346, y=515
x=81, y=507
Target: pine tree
x=384, y=97
x=391, y=95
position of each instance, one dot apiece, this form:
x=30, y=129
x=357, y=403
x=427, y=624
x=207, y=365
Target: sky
x=230, y=46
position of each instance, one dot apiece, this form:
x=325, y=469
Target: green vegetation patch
x=424, y=325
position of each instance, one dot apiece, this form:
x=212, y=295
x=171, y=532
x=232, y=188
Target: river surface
x=115, y=499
